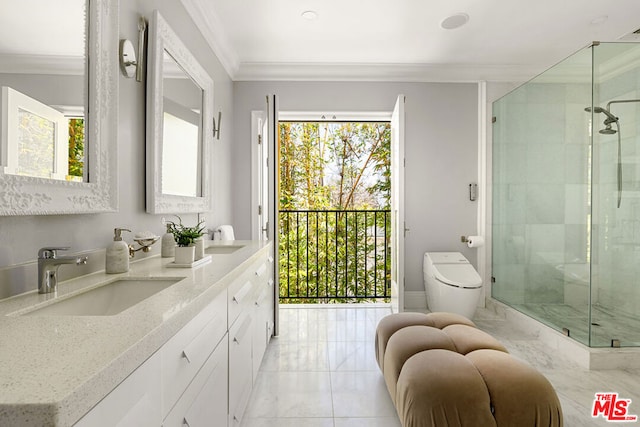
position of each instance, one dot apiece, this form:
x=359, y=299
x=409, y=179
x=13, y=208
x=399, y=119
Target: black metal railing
x=334, y=256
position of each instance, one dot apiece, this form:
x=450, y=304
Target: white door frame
x=398, y=225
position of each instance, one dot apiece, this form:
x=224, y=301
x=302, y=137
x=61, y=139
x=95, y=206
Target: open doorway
x=334, y=222
x=265, y=192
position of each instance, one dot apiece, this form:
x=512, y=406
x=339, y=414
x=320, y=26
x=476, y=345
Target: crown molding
x=262, y=71
x=210, y=26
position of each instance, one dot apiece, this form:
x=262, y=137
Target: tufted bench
x=441, y=371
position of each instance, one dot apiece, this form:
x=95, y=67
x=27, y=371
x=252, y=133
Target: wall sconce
x=129, y=65
x=216, y=130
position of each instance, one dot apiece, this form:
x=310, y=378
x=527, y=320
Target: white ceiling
x=401, y=40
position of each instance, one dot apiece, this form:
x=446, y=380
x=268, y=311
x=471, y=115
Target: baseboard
x=415, y=300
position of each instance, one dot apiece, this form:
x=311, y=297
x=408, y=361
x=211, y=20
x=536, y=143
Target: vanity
x=186, y=354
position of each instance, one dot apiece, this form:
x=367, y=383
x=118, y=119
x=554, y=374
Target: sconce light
x=216, y=130
x=129, y=65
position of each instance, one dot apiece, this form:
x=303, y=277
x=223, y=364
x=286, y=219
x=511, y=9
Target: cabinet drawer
x=240, y=366
x=205, y=401
x=135, y=402
x=241, y=292
x=185, y=353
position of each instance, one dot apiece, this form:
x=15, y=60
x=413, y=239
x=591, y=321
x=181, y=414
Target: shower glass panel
x=564, y=253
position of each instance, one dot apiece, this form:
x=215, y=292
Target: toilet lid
x=460, y=275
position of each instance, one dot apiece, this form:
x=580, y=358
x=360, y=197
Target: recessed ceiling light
x=310, y=15
x=454, y=21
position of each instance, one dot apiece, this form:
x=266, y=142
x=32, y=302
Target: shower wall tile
x=545, y=284
x=578, y=94
x=512, y=204
x=576, y=204
x=545, y=244
x=575, y=243
x=545, y=163
x=508, y=244
x=545, y=204
x=576, y=126
x=576, y=163
x=512, y=160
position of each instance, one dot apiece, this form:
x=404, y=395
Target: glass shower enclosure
x=566, y=196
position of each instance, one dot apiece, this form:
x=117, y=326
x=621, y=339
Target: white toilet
x=451, y=283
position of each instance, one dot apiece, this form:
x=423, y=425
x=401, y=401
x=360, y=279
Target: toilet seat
x=457, y=275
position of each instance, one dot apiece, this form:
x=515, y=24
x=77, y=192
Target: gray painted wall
x=20, y=237
x=441, y=153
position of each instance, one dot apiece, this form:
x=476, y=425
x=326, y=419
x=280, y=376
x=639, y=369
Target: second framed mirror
x=179, y=125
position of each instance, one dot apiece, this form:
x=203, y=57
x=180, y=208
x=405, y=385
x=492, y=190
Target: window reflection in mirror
x=181, y=131
x=44, y=88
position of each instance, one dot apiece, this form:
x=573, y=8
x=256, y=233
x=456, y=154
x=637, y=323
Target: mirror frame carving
x=22, y=195
x=161, y=38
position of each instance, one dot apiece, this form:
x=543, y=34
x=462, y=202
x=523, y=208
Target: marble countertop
x=53, y=369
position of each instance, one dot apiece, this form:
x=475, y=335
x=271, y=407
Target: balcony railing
x=334, y=256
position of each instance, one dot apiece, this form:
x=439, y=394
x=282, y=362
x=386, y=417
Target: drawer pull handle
x=242, y=330
x=185, y=423
x=261, y=270
x=186, y=356
x=237, y=298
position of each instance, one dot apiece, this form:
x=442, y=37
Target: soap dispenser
x=117, y=253
x=168, y=248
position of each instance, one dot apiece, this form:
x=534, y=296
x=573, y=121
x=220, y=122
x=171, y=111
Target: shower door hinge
x=494, y=119
x=259, y=139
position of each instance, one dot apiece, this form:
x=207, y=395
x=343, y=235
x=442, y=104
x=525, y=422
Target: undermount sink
x=108, y=299
x=223, y=249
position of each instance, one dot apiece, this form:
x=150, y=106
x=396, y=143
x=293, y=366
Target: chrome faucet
x=48, y=263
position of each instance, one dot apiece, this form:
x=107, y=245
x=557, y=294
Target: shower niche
x=566, y=196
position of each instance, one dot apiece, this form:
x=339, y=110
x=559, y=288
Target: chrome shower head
x=610, y=117
x=607, y=131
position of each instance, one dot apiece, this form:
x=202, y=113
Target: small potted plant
x=185, y=238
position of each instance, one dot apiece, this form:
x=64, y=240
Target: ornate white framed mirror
x=59, y=109
x=179, y=125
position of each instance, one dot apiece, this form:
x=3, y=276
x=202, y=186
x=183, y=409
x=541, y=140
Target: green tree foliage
x=76, y=147
x=341, y=170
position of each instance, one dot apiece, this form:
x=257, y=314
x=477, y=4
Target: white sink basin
x=108, y=299
x=223, y=249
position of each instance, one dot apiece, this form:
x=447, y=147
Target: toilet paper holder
x=472, y=241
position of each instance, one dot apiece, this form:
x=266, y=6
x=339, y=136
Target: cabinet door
x=133, y=403
x=186, y=352
x=205, y=401
x=240, y=367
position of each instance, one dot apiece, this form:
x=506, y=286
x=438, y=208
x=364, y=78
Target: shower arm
x=620, y=101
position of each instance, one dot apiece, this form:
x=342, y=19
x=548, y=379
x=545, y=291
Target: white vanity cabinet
x=135, y=402
x=205, y=401
x=250, y=302
x=204, y=374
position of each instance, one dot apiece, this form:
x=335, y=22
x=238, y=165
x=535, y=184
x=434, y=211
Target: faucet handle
x=51, y=252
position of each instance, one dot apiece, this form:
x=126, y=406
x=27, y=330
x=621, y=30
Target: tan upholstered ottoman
x=442, y=371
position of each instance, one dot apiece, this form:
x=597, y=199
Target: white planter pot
x=185, y=254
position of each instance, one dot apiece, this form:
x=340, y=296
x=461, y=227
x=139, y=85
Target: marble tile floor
x=321, y=372
x=606, y=324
